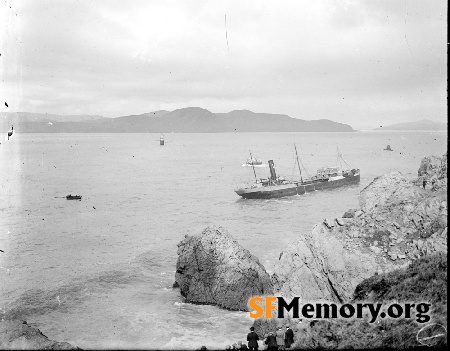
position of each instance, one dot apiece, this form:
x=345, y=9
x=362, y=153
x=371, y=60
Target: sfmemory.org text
x=264, y=306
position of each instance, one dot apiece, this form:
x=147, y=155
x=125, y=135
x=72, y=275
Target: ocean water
x=98, y=273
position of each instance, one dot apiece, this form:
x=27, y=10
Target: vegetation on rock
x=424, y=280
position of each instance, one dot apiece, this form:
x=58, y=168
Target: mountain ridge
x=184, y=120
x=423, y=124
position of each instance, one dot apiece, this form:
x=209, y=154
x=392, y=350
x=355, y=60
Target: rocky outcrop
x=384, y=189
x=433, y=170
x=212, y=268
x=18, y=335
x=397, y=223
x=321, y=266
x=424, y=280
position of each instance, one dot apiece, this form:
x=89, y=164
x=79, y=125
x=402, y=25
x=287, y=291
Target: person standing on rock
x=252, y=339
x=288, y=337
x=280, y=337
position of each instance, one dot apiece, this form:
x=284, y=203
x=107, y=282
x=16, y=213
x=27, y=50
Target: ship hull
x=275, y=191
x=268, y=192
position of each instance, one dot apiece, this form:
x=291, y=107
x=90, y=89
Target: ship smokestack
x=273, y=175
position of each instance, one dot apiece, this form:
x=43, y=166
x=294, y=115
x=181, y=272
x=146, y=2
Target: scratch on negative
x=406, y=39
x=226, y=33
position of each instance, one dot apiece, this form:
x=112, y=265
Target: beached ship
x=275, y=186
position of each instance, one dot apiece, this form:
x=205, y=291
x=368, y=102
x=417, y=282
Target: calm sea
x=98, y=273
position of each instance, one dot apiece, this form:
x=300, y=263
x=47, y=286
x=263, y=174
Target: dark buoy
x=388, y=148
x=161, y=140
x=10, y=132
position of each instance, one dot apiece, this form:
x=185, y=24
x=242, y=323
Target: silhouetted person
x=288, y=337
x=271, y=342
x=252, y=339
x=424, y=183
x=280, y=337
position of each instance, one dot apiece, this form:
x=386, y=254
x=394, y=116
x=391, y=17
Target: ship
x=253, y=161
x=275, y=186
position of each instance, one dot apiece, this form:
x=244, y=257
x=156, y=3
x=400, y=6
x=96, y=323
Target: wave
x=39, y=302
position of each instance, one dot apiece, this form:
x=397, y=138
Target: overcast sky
x=365, y=63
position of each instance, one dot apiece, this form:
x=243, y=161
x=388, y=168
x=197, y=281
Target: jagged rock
x=398, y=222
x=319, y=267
x=358, y=213
x=212, y=268
x=18, y=335
x=433, y=170
x=383, y=188
x=429, y=166
x=349, y=214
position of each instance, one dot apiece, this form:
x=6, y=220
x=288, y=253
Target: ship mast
x=253, y=166
x=298, y=163
x=340, y=158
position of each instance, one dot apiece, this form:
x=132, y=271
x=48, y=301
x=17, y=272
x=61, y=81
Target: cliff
x=397, y=223
x=393, y=248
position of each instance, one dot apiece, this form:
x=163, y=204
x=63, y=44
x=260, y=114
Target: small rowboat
x=73, y=197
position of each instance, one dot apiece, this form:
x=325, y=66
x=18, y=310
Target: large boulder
x=397, y=223
x=18, y=335
x=212, y=268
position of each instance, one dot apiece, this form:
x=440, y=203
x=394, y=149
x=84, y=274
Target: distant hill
x=418, y=125
x=16, y=117
x=185, y=120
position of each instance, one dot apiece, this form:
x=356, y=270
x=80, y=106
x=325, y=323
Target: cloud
x=301, y=58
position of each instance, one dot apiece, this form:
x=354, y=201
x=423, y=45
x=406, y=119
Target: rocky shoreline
x=18, y=335
x=399, y=221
